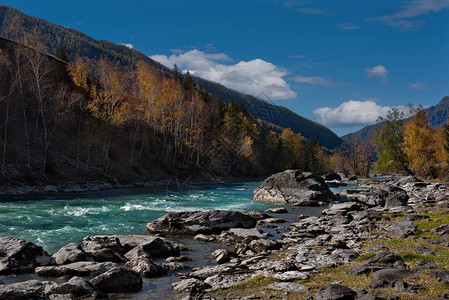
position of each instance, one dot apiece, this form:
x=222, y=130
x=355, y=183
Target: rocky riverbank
x=390, y=238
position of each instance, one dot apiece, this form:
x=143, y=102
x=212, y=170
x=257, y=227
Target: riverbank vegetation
x=98, y=120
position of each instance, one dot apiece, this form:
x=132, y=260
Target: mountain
x=438, y=115
x=49, y=37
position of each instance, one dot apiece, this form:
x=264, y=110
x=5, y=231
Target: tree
x=108, y=100
x=292, y=150
x=388, y=140
x=419, y=145
x=62, y=54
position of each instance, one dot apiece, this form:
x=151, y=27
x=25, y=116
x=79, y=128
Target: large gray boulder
x=200, y=222
x=104, y=248
x=294, y=187
x=19, y=256
x=118, y=280
x=146, y=268
x=31, y=289
x=81, y=268
x=154, y=248
x=70, y=253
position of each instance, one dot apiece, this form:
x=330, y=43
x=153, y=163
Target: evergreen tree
x=62, y=54
x=176, y=75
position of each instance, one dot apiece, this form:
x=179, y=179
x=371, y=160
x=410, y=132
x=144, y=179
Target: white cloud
x=418, y=86
x=406, y=17
x=347, y=26
x=256, y=77
x=378, y=71
x=313, y=80
x=351, y=113
x=130, y=46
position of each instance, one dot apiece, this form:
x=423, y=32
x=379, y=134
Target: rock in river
x=19, y=256
x=200, y=222
x=294, y=187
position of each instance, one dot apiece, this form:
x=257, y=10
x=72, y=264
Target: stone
x=178, y=259
x=200, y=222
x=335, y=292
x=70, y=253
x=146, y=268
x=25, y=290
x=19, y=256
x=291, y=276
x=402, y=230
x=365, y=269
x=262, y=245
x=191, y=285
x=257, y=215
x=76, y=286
x=81, y=268
x=208, y=271
x=288, y=287
x=104, y=248
x=425, y=265
x=384, y=258
x=118, y=280
x=442, y=231
x=204, y=238
x=332, y=176
x=294, y=187
x=174, y=265
x=395, y=197
x=370, y=297
x=241, y=235
x=221, y=256
x=393, y=274
x=271, y=221
x=155, y=248
x=277, y=210
x=225, y=281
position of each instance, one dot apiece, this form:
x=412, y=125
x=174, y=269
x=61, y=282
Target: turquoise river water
x=53, y=221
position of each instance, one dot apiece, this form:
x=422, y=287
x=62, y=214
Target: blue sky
x=341, y=63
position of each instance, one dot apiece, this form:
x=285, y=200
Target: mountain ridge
x=14, y=24
x=437, y=113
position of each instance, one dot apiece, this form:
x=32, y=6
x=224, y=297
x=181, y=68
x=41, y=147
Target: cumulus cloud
x=130, y=46
x=351, y=113
x=312, y=80
x=418, y=86
x=407, y=16
x=378, y=71
x=256, y=77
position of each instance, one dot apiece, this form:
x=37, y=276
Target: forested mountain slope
x=49, y=38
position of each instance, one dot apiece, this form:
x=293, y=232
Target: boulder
x=146, y=268
x=294, y=187
x=335, y=292
x=30, y=289
x=395, y=197
x=277, y=210
x=262, y=245
x=81, y=268
x=76, y=286
x=392, y=275
x=175, y=265
x=331, y=177
x=154, y=248
x=288, y=287
x=442, y=231
x=70, y=253
x=221, y=256
x=200, y=222
x=291, y=276
x=402, y=230
x=191, y=285
x=19, y=256
x=384, y=258
x=118, y=280
x=104, y=248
